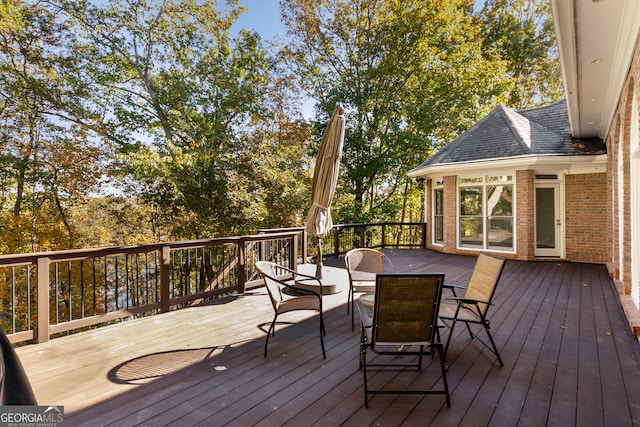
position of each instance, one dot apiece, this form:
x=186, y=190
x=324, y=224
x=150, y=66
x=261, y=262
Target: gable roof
x=505, y=133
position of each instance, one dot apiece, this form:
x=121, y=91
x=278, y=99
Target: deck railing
x=50, y=293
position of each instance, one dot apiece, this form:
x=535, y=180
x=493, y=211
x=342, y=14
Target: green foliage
x=190, y=111
x=200, y=134
x=521, y=33
x=49, y=157
x=411, y=75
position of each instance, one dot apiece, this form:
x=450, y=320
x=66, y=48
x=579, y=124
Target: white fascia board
x=569, y=165
x=563, y=20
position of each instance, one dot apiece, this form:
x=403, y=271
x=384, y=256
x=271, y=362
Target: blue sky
x=263, y=17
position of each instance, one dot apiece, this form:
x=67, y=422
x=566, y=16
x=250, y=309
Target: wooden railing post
x=42, y=326
x=424, y=235
x=165, y=277
x=384, y=237
x=293, y=253
x=242, y=265
x=305, y=242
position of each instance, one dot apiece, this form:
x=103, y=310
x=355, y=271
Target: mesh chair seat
x=448, y=311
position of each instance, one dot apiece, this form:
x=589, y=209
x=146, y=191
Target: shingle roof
x=505, y=133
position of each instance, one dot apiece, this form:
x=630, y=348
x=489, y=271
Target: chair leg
x=353, y=324
x=272, y=330
x=493, y=344
x=469, y=329
x=322, y=332
x=493, y=348
x=361, y=341
x=352, y=303
x=446, y=346
x=363, y=364
x=444, y=374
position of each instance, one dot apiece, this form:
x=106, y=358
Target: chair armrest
x=296, y=274
x=463, y=300
x=453, y=287
x=305, y=278
x=296, y=289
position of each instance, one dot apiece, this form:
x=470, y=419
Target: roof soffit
x=595, y=42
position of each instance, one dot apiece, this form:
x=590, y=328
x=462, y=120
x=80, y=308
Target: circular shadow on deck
x=152, y=366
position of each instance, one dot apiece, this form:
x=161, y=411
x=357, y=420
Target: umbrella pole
x=319, y=261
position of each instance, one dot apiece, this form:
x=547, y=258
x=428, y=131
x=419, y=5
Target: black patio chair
x=400, y=324
x=15, y=388
x=295, y=298
x=472, y=308
x=362, y=265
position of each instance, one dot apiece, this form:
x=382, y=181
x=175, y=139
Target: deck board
x=570, y=359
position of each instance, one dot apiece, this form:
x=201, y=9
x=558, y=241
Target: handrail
x=48, y=293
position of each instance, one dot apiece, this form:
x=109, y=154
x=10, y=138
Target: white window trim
x=485, y=184
x=559, y=184
x=438, y=185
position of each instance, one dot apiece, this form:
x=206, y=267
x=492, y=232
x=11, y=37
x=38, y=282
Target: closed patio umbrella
x=325, y=178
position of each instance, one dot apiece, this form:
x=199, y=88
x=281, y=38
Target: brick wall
x=618, y=140
x=428, y=211
x=525, y=215
x=586, y=217
x=450, y=213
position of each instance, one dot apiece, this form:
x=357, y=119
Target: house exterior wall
x=612, y=200
x=428, y=210
x=619, y=237
x=586, y=217
x=450, y=192
x=525, y=214
x=585, y=212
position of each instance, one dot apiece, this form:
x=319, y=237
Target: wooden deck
x=570, y=359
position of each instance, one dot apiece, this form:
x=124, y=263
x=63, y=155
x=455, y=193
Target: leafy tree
x=521, y=33
x=410, y=73
x=48, y=155
x=191, y=109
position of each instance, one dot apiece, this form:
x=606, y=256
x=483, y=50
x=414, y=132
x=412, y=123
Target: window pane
x=439, y=231
x=500, y=200
x=501, y=232
x=470, y=201
x=438, y=201
x=471, y=231
x=545, y=218
x=500, y=178
x=470, y=180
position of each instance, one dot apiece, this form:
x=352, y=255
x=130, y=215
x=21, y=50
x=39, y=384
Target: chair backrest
x=15, y=388
x=484, y=280
x=268, y=272
x=369, y=260
x=406, y=308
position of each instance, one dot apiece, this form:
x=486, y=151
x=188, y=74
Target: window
x=486, y=212
x=438, y=215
